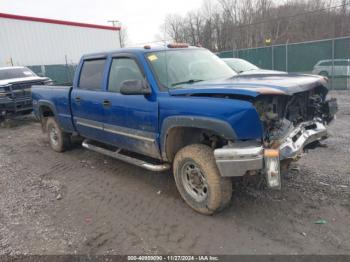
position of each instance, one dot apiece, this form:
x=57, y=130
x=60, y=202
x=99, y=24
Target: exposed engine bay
x=293, y=109
x=291, y=122
x=280, y=114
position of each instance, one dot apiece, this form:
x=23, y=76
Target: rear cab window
x=91, y=75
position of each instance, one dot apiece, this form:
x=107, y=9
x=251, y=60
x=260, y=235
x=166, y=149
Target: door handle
x=77, y=99
x=106, y=103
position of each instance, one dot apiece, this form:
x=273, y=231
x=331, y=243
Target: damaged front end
x=291, y=122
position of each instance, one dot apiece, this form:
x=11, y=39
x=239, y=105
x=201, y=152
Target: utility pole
x=116, y=23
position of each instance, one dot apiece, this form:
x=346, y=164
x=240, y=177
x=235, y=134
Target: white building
x=31, y=41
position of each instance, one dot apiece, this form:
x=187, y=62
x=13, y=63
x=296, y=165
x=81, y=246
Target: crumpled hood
x=22, y=79
x=263, y=72
x=254, y=85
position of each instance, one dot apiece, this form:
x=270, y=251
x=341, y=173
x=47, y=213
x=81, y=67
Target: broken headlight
x=272, y=168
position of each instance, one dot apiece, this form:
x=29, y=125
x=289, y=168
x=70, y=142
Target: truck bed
x=57, y=98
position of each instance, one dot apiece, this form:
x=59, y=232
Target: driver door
x=131, y=121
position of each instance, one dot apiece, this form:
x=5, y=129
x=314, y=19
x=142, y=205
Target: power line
x=115, y=23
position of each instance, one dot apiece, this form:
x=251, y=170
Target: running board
x=135, y=161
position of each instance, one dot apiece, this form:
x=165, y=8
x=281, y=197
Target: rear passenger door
x=87, y=99
x=131, y=121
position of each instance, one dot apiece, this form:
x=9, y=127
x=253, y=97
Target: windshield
x=11, y=73
x=240, y=65
x=176, y=68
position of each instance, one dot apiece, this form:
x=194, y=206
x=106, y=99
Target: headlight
x=3, y=90
x=272, y=168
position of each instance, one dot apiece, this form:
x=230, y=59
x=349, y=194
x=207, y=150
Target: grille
x=23, y=90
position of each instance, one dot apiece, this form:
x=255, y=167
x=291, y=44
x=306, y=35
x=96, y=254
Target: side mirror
x=135, y=87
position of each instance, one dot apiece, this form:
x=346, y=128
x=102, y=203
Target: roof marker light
x=178, y=45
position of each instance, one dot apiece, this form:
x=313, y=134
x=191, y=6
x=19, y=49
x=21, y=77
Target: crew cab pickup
x=183, y=108
x=15, y=90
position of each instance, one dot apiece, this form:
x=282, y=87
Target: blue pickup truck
x=183, y=108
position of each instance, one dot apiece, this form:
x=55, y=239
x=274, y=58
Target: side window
x=123, y=69
x=328, y=63
x=91, y=75
x=340, y=63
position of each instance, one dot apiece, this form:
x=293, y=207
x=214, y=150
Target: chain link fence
x=329, y=57
x=60, y=74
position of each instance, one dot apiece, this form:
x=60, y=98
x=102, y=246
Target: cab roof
x=136, y=50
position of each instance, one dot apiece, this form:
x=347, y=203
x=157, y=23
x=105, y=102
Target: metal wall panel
x=37, y=43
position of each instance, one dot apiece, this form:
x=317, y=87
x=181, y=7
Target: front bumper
x=306, y=133
x=239, y=158
x=13, y=106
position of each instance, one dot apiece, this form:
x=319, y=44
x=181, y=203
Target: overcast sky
x=142, y=18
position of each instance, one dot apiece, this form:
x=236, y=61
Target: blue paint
x=146, y=114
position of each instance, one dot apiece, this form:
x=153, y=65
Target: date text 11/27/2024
x=173, y=258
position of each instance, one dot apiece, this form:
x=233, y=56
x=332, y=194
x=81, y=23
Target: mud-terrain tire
x=198, y=180
x=59, y=140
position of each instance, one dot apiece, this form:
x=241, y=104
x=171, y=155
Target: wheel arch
x=173, y=132
x=46, y=109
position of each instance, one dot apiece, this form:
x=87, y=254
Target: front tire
x=199, y=181
x=59, y=140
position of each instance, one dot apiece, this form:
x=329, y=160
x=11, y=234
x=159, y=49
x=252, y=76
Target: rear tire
x=59, y=140
x=199, y=181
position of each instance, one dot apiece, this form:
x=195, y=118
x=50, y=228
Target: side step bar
x=135, y=161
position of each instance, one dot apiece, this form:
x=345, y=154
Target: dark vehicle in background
x=15, y=90
x=243, y=67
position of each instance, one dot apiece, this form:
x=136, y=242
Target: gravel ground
x=81, y=202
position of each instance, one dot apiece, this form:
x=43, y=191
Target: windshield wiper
x=191, y=81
